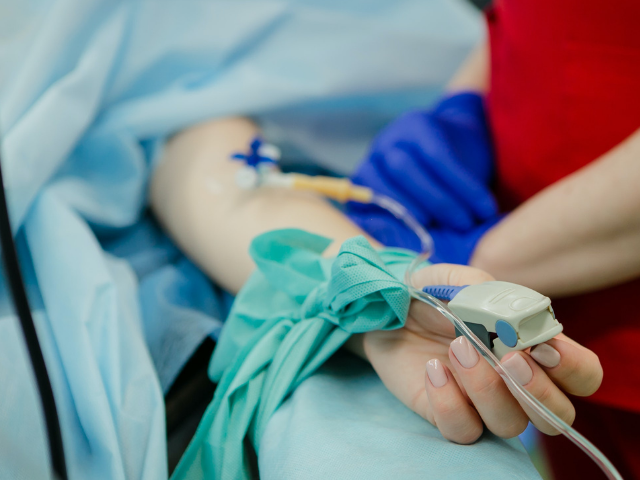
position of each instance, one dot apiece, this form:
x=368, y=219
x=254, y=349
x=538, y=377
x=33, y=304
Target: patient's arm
x=194, y=195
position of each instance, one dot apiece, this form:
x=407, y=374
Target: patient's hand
x=198, y=216
x=462, y=390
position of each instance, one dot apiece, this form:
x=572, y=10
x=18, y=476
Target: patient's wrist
x=355, y=345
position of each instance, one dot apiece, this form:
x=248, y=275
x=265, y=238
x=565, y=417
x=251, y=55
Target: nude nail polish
x=546, y=355
x=519, y=368
x=464, y=352
x=436, y=374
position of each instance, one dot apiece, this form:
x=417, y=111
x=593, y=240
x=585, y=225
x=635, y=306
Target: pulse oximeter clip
x=496, y=317
x=504, y=316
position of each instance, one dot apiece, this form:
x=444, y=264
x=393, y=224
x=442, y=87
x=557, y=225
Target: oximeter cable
x=260, y=170
x=23, y=310
x=518, y=391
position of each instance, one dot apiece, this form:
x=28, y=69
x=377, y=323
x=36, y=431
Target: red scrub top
x=565, y=88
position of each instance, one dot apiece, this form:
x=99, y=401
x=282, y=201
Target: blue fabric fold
x=89, y=90
x=290, y=317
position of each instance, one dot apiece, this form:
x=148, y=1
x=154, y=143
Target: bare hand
x=463, y=391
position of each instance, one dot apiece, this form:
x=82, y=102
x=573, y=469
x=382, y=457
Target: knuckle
x=545, y=393
x=581, y=378
x=454, y=422
x=569, y=414
x=443, y=207
x=562, y=407
x=425, y=411
x=566, y=413
x=569, y=366
x=447, y=411
x=464, y=275
x=594, y=380
x=488, y=388
x=395, y=160
x=511, y=429
x=419, y=403
x=409, y=119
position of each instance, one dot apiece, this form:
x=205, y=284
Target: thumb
x=450, y=274
x=442, y=274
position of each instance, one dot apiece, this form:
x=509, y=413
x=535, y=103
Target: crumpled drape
x=289, y=318
x=89, y=89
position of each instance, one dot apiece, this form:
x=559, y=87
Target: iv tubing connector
x=339, y=189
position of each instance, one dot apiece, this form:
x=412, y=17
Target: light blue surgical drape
x=89, y=89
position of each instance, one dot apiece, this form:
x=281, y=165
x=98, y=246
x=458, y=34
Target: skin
x=194, y=196
x=472, y=396
x=578, y=235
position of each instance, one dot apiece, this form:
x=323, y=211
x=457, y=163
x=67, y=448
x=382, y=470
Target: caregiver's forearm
x=194, y=196
x=580, y=234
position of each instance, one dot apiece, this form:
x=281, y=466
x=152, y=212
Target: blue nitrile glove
x=451, y=246
x=386, y=229
x=437, y=163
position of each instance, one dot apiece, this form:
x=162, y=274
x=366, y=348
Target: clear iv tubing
x=402, y=214
x=343, y=190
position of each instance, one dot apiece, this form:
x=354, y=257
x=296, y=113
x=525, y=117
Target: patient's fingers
x=535, y=380
x=571, y=366
x=451, y=413
x=503, y=414
x=494, y=402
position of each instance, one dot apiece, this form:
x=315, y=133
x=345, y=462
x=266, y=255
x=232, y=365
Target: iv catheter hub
x=260, y=170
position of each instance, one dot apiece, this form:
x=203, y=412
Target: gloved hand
x=450, y=246
x=437, y=163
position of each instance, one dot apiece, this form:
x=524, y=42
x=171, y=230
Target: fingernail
x=435, y=372
x=546, y=355
x=464, y=352
x=519, y=368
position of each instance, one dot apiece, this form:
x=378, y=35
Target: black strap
x=19, y=294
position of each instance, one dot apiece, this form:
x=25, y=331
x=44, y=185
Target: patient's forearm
x=580, y=234
x=194, y=196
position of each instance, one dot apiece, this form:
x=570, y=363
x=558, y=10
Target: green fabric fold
x=295, y=311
